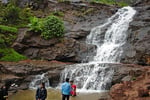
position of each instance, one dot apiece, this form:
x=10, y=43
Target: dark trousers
x=65, y=96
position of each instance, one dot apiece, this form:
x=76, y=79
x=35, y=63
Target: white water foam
x=38, y=79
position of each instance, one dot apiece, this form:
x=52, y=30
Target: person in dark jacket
x=41, y=93
x=3, y=93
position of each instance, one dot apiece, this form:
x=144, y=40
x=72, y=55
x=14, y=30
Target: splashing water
x=38, y=79
x=96, y=75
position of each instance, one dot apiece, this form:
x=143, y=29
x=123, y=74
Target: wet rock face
x=137, y=49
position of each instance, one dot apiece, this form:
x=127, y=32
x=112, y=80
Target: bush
x=5, y=29
x=35, y=24
x=10, y=54
x=11, y=14
x=2, y=41
x=7, y=35
x=25, y=15
x=52, y=27
x=14, y=16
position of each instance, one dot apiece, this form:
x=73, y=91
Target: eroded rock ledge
x=23, y=72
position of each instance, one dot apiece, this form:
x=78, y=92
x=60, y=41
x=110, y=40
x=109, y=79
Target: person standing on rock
x=66, y=90
x=41, y=93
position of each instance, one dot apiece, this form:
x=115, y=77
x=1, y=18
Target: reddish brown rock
x=137, y=89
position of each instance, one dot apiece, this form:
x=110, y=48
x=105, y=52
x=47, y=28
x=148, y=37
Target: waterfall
x=115, y=36
x=37, y=81
x=97, y=73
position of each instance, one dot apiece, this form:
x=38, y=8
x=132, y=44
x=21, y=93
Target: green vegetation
x=11, y=14
x=110, y=2
x=2, y=41
x=5, y=29
x=49, y=27
x=7, y=39
x=9, y=54
x=52, y=27
x=12, y=17
x=35, y=24
x=122, y=4
x=58, y=13
x=25, y=16
x=7, y=35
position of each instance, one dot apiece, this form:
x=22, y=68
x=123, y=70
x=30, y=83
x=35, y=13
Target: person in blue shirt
x=66, y=89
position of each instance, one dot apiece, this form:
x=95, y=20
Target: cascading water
x=37, y=81
x=97, y=74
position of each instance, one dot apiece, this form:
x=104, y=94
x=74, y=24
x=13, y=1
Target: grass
x=5, y=29
x=9, y=54
x=58, y=13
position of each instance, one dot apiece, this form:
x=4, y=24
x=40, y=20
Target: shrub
x=9, y=39
x=25, y=15
x=52, y=27
x=10, y=54
x=11, y=14
x=4, y=29
x=2, y=41
x=14, y=16
x=35, y=24
x=7, y=35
